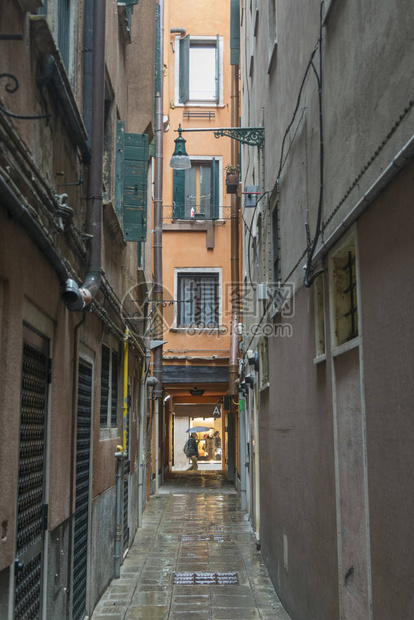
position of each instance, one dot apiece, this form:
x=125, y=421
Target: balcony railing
x=172, y=214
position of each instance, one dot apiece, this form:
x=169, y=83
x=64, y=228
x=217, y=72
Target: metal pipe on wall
x=76, y=300
x=157, y=244
x=141, y=452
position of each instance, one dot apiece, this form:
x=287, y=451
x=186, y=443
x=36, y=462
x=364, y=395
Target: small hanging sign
x=216, y=412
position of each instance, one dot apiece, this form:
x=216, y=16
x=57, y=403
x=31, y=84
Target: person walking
x=193, y=451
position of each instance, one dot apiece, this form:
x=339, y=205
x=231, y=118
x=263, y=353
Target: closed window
x=198, y=300
x=196, y=191
x=199, y=70
x=109, y=387
x=344, y=295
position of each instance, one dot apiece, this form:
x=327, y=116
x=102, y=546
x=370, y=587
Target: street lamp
x=253, y=136
x=180, y=159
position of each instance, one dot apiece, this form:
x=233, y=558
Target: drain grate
x=205, y=579
x=205, y=538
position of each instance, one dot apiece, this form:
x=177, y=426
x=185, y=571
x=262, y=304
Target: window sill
x=108, y=433
x=198, y=330
x=347, y=346
x=320, y=358
x=195, y=104
x=264, y=387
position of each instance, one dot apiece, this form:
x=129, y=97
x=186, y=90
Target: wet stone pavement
x=195, y=558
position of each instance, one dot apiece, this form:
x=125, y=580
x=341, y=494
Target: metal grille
x=114, y=390
x=350, y=291
x=205, y=579
x=32, y=429
x=31, y=472
x=27, y=597
x=205, y=538
x=104, y=385
x=80, y=555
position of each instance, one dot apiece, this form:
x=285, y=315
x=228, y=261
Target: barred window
x=109, y=388
x=198, y=300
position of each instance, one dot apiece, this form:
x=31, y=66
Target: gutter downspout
x=120, y=456
x=235, y=288
x=157, y=245
x=141, y=454
x=77, y=299
x=234, y=228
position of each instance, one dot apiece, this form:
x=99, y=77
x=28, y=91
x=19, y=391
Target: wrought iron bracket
x=253, y=136
x=11, y=87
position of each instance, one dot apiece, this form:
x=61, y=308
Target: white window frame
x=190, y=102
x=109, y=431
x=201, y=270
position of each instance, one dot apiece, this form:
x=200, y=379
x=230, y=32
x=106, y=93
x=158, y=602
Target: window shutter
x=119, y=168
x=179, y=194
x=184, y=90
x=218, y=69
x=215, y=190
x=64, y=31
x=235, y=32
x=135, y=186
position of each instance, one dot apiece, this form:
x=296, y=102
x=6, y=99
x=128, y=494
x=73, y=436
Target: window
x=109, y=387
x=272, y=31
x=319, y=316
x=198, y=299
x=344, y=294
x=275, y=244
x=198, y=67
x=264, y=362
x=196, y=191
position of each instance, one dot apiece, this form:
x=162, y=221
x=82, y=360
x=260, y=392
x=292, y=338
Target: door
x=31, y=507
x=83, y=452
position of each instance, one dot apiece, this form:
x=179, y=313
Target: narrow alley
x=195, y=557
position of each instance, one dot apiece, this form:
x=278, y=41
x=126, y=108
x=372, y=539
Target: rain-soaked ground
x=195, y=558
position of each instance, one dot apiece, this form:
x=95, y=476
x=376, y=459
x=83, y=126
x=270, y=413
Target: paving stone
x=194, y=524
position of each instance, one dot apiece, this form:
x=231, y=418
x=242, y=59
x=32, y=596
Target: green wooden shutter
x=184, y=90
x=218, y=69
x=135, y=186
x=235, y=32
x=119, y=168
x=215, y=190
x=179, y=193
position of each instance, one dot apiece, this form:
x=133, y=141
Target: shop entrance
x=209, y=437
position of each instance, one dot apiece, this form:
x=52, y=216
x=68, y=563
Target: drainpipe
x=77, y=298
x=141, y=454
x=234, y=230
x=157, y=245
x=180, y=31
x=119, y=455
x=243, y=459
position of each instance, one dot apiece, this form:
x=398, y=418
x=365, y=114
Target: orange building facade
x=196, y=231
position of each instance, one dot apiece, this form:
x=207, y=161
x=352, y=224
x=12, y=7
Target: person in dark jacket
x=193, y=451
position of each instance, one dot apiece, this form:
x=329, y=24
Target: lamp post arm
x=253, y=136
